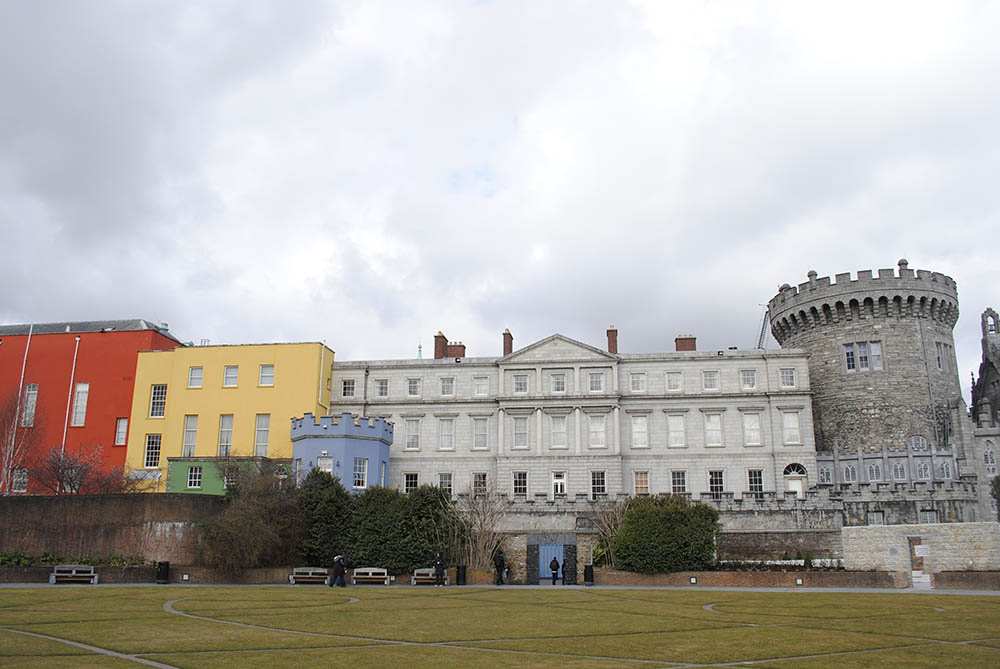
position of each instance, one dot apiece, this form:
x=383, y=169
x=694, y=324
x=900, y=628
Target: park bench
x=370, y=575
x=425, y=576
x=73, y=573
x=309, y=575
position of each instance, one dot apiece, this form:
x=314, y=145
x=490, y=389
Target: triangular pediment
x=557, y=347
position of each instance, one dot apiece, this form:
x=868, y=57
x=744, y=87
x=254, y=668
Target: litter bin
x=460, y=575
x=163, y=572
x=588, y=574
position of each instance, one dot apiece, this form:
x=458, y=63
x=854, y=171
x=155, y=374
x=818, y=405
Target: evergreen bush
x=325, y=506
x=666, y=534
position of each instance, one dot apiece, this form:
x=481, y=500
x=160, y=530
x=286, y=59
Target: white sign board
x=921, y=550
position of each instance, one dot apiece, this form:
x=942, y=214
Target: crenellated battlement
x=345, y=425
x=891, y=294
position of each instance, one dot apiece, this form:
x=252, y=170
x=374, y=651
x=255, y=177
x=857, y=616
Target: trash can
x=163, y=572
x=588, y=574
x=460, y=575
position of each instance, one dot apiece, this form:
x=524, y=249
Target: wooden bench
x=425, y=576
x=370, y=575
x=309, y=575
x=73, y=573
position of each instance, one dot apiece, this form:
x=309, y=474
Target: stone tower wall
x=908, y=313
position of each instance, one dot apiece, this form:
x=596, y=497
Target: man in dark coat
x=554, y=566
x=339, y=571
x=439, y=568
x=498, y=565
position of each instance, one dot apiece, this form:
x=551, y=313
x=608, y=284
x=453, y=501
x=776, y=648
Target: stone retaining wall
x=966, y=580
x=946, y=547
x=757, y=579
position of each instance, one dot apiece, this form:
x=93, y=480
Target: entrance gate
x=545, y=554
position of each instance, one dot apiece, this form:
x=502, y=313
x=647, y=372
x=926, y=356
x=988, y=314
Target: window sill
x=677, y=446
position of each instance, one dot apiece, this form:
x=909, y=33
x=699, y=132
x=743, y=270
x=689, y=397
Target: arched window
x=917, y=443
x=944, y=469
x=850, y=474
x=923, y=470
x=875, y=472
x=795, y=469
x=899, y=471
x=990, y=459
x=825, y=475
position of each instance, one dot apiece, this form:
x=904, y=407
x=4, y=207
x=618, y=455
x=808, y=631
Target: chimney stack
x=612, y=339
x=440, y=345
x=456, y=349
x=508, y=342
x=684, y=342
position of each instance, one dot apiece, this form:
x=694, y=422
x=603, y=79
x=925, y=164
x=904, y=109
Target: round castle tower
x=881, y=355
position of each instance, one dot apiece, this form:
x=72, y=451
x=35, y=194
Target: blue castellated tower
x=353, y=449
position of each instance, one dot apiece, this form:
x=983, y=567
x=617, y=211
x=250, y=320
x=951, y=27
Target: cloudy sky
x=368, y=173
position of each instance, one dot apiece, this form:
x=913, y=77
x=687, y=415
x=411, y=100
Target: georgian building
x=560, y=418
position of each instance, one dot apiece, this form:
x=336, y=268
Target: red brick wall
x=762, y=579
x=966, y=580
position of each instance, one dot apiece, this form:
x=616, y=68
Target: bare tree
x=79, y=472
x=16, y=441
x=610, y=514
x=477, y=520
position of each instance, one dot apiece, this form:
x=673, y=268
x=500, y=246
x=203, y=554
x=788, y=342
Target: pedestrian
x=554, y=566
x=339, y=571
x=439, y=568
x=499, y=566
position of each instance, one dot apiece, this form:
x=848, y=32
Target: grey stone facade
x=943, y=547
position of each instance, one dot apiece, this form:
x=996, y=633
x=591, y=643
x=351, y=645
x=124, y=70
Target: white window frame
x=674, y=382
x=446, y=434
x=755, y=482
x=899, y=471
x=30, y=404
x=480, y=483
x=850, y=474
x=752, y=432
x=875, y=518
x=381, y=387
x=559, y=483
x=447, y=386
x=151, y=454
x=676, y=436
x=678, y=481
x=825, y=475
x=324, y=463
x=360, y=473
x=791, y=427
x=480, y=434
x=226, y=421
x=714, y=435
x=786, y=377
x=850, y=359
x=348, y=387
x=195, y=380
x=231, y=376
x=877, y=360
x=875, y=472
x=597, y=431
x=748, y=379
x=927, y=516
x=194, y=477
x=596, y=382
x=637, y=382
x=412, y=440
x=80, y=395
x=519, y=489
x=446, y=482
x=265, y=377
x=519, y=435
x=640, y=482
x=521, y=384
x=158, y=400
x=559, y=432
x=121, y=431
x=711, y=380
x=557, y=383
x=19, y=480
x=262, y=434
x=413, y=387
x=598, y=484
x=481, y=386
x=411, y=481
x=713, y=493
x=640, y=431
x=190, y=436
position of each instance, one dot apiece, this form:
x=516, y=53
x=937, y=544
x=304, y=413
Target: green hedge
x=666, y=534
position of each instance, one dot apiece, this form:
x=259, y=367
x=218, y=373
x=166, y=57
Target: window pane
x=713, y=429
x=520, y=432
x=194, y=377
x=152, y=458
x=597, y=431
x=121, y=431
x=190, y=435
x=675, y=427
x=80, y=404
x=640, y=431
x=225, y=435
x=158, y=401
x=480, y=436
x=231, y=376
x=267, y=375
x=751, y=429
x=263, y=431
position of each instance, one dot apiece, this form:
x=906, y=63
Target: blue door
x=545, y=554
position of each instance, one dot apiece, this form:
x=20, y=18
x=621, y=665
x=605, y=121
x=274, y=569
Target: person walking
x=498, y=565
x=339, y=571
x=439, y=568
x=554, y=566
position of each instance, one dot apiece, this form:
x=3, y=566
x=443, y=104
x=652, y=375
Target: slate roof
x=128, y=325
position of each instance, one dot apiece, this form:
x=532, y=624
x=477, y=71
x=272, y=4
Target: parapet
x=345, y=425
x=892, y=293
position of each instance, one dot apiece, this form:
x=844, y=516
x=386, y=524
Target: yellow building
x=198, y=404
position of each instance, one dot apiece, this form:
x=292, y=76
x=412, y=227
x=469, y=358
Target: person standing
x=439, y=568
x=498, y=565
x=339, y=571
x=554, y=566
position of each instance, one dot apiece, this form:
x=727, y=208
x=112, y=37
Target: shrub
x=378, y=530
x=666, y=534
x=326, y=515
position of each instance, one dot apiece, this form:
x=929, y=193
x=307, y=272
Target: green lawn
x=455, y=627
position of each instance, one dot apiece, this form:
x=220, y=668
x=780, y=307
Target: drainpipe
x=69, y=399
x=8, y=465
x=364, y=394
